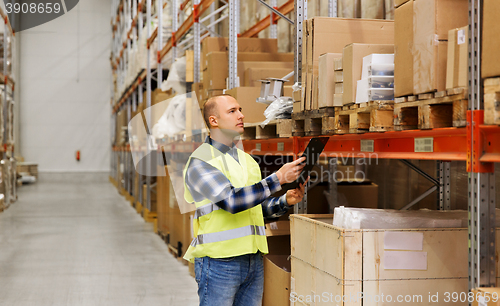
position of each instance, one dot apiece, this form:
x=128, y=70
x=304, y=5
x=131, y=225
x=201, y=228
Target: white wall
x=64, y=87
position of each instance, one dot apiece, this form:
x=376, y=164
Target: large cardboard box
x=358, y=195
x=326, y=80
x=246, y=97
x=352, y=62
x=245, y=44
x=403, y=46
x=253, y=75
x=490, y=66
x=330, y=35
x=216, y=72
x=432, y=19
x=486, y=297
x=277, y=271
x=365, y=263
x=163, y=198
x=457, y=66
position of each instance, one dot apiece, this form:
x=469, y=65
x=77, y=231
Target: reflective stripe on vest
x=229, y=234
x=205, y=210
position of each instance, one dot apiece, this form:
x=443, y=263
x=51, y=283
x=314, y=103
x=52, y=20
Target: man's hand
x=290, y=172
x=294, y=196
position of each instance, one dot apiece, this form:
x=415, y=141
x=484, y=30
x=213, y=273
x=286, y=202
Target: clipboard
x=312, y=152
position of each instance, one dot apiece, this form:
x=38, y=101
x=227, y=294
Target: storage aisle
x=73, y=240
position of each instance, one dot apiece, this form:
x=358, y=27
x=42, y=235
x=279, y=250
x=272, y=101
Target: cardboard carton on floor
x=352, y=62
x=432, y=19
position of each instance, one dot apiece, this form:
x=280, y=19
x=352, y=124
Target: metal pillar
x=482, y=269
x=273, y=32
x=148, y=104
x=444, y=175
x=332, y=8
x=233, y=44
x=300, y=16
x=175, y=12
x=197, y=42
x=160, y=43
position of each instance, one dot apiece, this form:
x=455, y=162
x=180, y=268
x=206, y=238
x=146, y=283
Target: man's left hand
x=294, y=196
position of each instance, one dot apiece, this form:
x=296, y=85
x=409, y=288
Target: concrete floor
x=70, y=239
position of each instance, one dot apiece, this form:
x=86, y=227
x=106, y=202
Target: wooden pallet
x=313, y=122
x=255, y=131
x=284, y=128
x=492, y=101
x=373, y=116
x=431, y=95
x=447, y=111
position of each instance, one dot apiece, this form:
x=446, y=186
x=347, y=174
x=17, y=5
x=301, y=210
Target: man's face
x=230, y=118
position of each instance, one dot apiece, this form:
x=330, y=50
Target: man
x=231, y=202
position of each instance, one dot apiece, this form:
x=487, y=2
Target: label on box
x=481, y=301
x=460, y=37
x=424, y=144
x=273, y=225
x=403, y=241
x=405, y=260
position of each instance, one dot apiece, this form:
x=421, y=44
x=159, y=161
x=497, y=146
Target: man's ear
x=213, y=121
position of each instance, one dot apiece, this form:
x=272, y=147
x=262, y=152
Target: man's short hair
x=210, y=109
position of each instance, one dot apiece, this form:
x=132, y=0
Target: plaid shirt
x=207, y=182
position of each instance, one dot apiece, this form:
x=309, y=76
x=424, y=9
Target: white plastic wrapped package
x=365, y=218
x=280, y=108
x=173, y=119
x=176, y=79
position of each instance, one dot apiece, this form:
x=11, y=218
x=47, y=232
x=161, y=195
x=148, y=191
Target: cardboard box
x=339, y=88
x=245, y=44
x=361, y=259
x=486, y=297
x=339, y=76
x=253, y=75
x=216, y=72
x=352, y=62
x=398, y=3
x=163, y=195
x=358, y=195
x=337, y=64
x=457, y=66
x=403, y=46
x=432, y=19
x=326, y=80
x=330, y=35
x=276, y=280
x=246, y=97
x=152, y=197
x=490, y=66
x=429, y=70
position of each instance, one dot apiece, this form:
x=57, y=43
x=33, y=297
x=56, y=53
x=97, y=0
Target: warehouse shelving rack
x=477, y=144
x=7, y=79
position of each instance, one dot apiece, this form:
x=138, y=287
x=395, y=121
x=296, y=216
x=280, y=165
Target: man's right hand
x=290, y=171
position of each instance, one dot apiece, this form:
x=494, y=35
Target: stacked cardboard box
x=326, y=81
x=352, y=62
x=339, y=82
x=421, y=41
x=330, y=35
x=457, y=67
x=491, y=44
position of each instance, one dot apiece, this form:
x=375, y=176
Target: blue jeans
x=237, y=281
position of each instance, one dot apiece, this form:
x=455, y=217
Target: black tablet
x=312, y=152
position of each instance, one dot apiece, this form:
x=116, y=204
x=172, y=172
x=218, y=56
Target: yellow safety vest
x=218, y=233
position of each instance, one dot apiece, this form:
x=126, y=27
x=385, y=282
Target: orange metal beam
x=184, y=28
x=264, y=23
